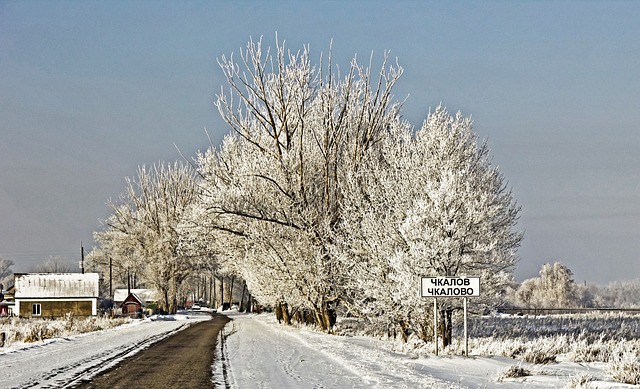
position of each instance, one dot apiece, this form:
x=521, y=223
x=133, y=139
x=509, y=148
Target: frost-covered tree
x=54, y=264
x=374, y=205
x=619, y=294
x=6, y=275
x=273, y=189
x=557, y=281
x=323, y=194
x=116, y=258
x=555, y=288
x=141, y=235
x=431, y=204
x=462, y=219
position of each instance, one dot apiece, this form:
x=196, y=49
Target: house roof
x=58, y=285
x=134, y=298
x=146, y=295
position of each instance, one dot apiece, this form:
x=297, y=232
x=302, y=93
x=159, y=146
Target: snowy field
x=254, y=351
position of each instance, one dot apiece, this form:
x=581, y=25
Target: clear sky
x=90, y=90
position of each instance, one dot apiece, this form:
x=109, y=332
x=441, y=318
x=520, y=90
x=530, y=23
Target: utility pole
x=81, y=257
x=110, y=278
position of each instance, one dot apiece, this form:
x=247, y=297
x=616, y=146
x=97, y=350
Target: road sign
x=450, y=287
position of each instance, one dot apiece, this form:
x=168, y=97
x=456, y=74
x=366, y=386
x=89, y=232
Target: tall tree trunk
x=212, y=291
x=282, y=313
x=244, y=287
x=222, y=291
x=446, y=326
x=231, y=292
x=173, y=294
x=215, y=293
x=199, y=288
x=319, y=321
x=325, y=316
x=165, y=302
x=404, y=330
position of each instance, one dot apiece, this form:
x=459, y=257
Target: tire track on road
x=182, y=360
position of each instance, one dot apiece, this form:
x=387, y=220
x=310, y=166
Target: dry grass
x=37, y=330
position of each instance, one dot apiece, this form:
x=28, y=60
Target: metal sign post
x=466, y=335
x=435, y=325
x=450, y=287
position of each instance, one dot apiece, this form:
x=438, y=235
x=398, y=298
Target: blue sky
x=90, y=90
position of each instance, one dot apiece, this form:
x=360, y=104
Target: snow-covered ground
x=62, y=362
x=260, y=353
x=254, y=351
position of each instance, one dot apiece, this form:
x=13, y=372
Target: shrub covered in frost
x=538, y=351
x=624, y=366
x=514, y=371
x=583, y=350
x=580, y=381
x=539, y=355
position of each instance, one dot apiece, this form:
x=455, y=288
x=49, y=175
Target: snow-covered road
x=259, y=356
x=63, y=362
x=259, y=353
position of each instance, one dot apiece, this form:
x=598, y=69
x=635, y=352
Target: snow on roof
x=136, y=298
x=145, y=295
x=47, y=285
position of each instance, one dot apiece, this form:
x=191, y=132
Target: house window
x=36, y=310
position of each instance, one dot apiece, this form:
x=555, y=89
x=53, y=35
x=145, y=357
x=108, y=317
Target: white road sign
x=450, y=287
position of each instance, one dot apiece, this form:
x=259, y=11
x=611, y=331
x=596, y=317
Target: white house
x=56, y=294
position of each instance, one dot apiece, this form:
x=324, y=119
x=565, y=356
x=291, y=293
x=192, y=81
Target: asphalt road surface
x=181, y=361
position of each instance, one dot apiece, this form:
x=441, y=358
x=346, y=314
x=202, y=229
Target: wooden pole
x=110, y=277
x=81, y=257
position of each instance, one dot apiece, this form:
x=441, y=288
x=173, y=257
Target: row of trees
x=556, y=288
x=323, y=196
x=141, y=237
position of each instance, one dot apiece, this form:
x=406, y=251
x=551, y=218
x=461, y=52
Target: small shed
x=146, y=297
x=132, y=304
x=56, y=294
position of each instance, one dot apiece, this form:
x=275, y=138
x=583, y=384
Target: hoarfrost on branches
x=555, y=288
x=276, y=183
x=323, y=199
x=431, y=205
x=141, y=234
